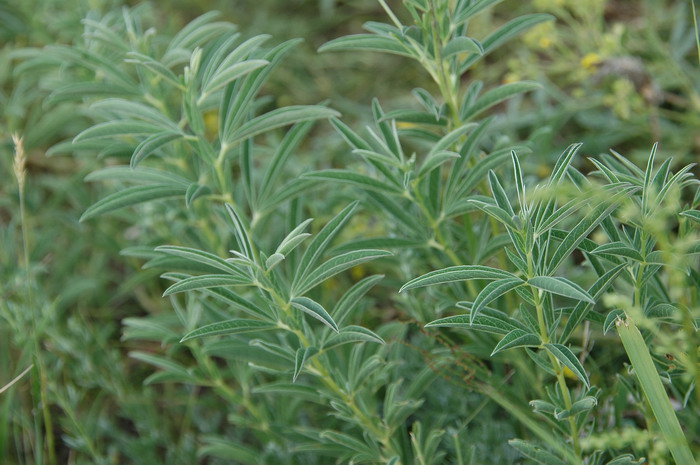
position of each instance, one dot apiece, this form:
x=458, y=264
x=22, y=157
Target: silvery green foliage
x=264, y=332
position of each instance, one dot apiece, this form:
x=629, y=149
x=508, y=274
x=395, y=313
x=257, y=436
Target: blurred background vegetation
x=618, y=74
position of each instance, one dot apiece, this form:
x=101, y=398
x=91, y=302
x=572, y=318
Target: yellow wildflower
x=591, y=60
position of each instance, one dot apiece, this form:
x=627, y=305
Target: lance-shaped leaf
x=132, y=196
x=200, y=256
x=194, y=283
x=236, y=326
x=505, y=33
x=138, y=175
x=321, y=241
x=175, y=371
x=472, y=9
x=582, y=309
x=493, y=291
x=434, y=160
x=482, y=322
x=314, y=309
x=560, y=286
x=352, y=297
x=496, y=213
x=582, y=230
x=496, y=96
x=619, y=249
x=240, y=231
x=302, y=356
x=230, y=73
x=336, y=265
x=356, y=179
x=118, y=128
x=460, y=45
x=352, y=333
x=456, y=273
x=280, y=117
x=536, y=453
x=693, y=215
x=370, y=42
x=580, y=406
x=567, y=358
x=517, y=338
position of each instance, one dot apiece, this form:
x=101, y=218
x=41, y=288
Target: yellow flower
x=545, y=42
x=510, y=78
x=406, y=125
x=590, y=61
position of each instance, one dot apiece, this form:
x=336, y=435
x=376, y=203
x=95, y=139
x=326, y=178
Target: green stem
x=38, y=359
x=558, y=369
x=373, y=426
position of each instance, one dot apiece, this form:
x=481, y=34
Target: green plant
x=282, y=339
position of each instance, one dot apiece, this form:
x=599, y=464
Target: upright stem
x=558, y=369
x=21, y=174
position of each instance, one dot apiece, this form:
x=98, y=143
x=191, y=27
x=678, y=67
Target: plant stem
x=558, y=369
x=21, y=175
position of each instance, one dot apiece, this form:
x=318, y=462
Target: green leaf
x=582, y=309
x=654, y=391
x=497, y=213
x=278, y=118
x=291, y=141
x=336, y=265
x=460, y=45
x=560, y=286
x=356, y=179
x=498, y=95
x=321, y=241
x=138, y=175
x=693, y=215
x=456, y=273
x=352, y=333
x=536, y=453
x=314, y=309
x=194, y=283
x=200, y=256
x=118, y=128
x=352, y=297
x=151, y=144
x=493, y=291
x=303, y=354
x=620, y=249
x=154, y=66
x=178, y=372
x=517, y=338
x=473, y=9
x=580, y=406
x=235, y=326
x=240, y=231
x=481, y=322
x=294, y=238
x=226, y=449
x=434, y=160
x=380, y=242
x=569, y=360
x=371, y=42
x=231, y=73
x=505, y=33
x=132, y=196
x=582, y=230
x=195, y=191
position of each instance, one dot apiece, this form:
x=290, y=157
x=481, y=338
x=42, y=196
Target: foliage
x=446, y=305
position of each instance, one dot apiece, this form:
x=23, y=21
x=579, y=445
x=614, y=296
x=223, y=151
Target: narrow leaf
x=236, y=326
x=314, y=309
